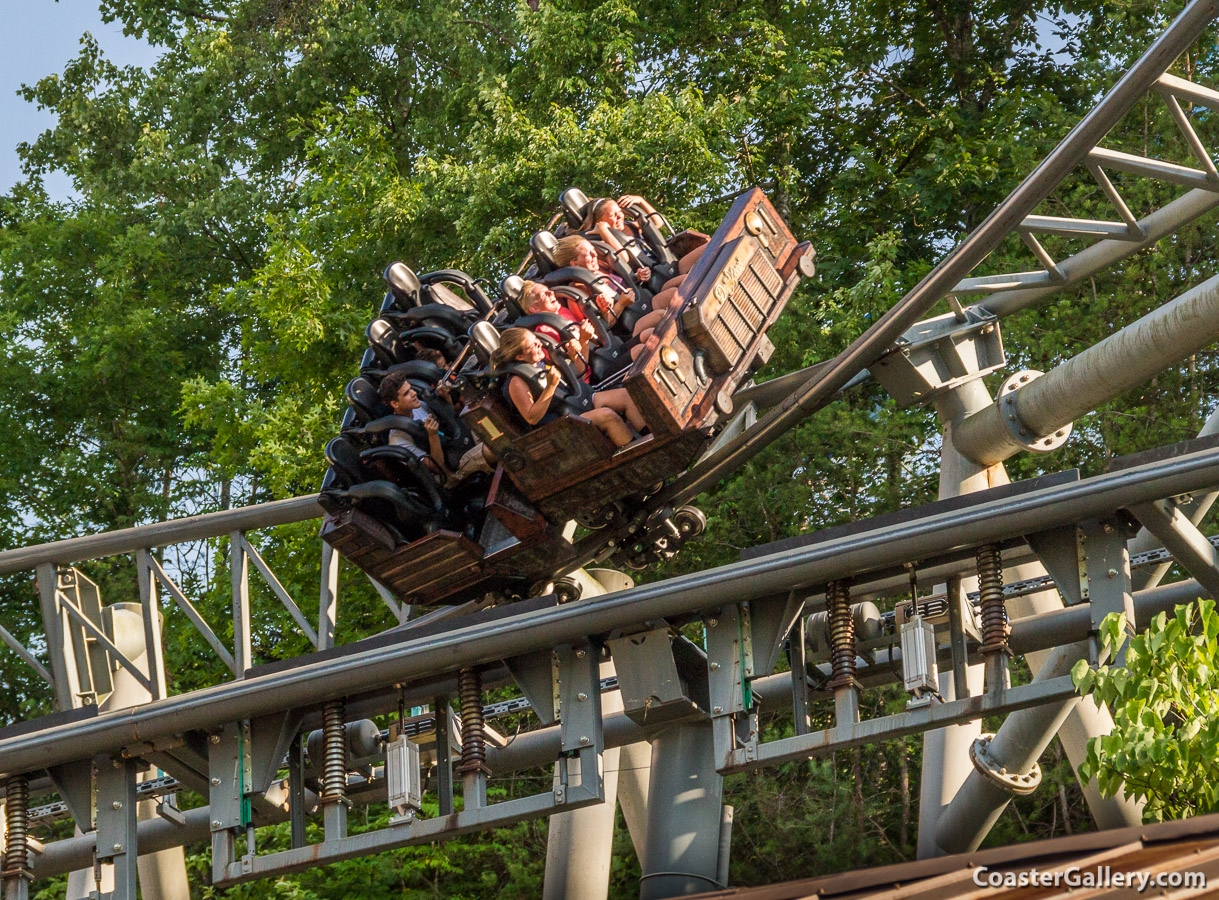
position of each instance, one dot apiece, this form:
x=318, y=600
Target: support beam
x=945, y=749
x=239, y=567
x=193, y=614
x=1124, y=360
x=279, y=591
x=328, y=602
x=1183, y=540
x=161, y=534
x=685, y=812
x=17, y=647
x=1011, y=755
x=151, y=612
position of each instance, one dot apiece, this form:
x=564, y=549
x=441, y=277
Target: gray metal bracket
x=1108, y=567
x=652, y=688
x=1061, y=552
x=74, y=782
x=92, y=664
x=225, y=773
x=1183, y=540
x=729, y=667
x=771, y=618
x=116, y=822
x=939, y=354
x=580, y=687
x=534, y=674
x=270, y=738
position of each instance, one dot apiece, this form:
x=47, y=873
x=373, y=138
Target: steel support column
x=945, y=750
x=1196, y=509
x=579, y=845
x=1183, y=540
x=685, y=815
x=162, y=875
x=1006, y=763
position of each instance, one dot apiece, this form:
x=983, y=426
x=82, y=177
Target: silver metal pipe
x=1196, y=510
x=685, y=811
x=1124, y=360
x=1072, y=623
x=160, y=534
x=539, y=747
x=945, y=749
x=880, y=549
x=939, y=282
x=1013, y=751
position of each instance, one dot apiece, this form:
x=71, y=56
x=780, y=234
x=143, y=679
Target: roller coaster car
x=712, y=339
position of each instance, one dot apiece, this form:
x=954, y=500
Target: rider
x=530, y=393
x=606, y=219
x=538, y=298
x=400, y=396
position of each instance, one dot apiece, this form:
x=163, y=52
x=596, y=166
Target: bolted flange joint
x=994, y=772
x=1008, y=401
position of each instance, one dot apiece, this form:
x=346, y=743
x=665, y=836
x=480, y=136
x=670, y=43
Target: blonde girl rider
x=531, y=397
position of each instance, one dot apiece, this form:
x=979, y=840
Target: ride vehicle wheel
x=567, y=589
x=600, y=517
x=690, y=521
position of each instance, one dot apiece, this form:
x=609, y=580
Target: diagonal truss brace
x=278, y=589
x=1183, y=540
x=196, y=619
x=100, y=636
x=1171, y=90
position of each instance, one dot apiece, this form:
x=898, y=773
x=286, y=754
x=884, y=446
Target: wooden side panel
x=424, y=571
x=556, y=455
x=506, y=505
x=630, y=472
x=724, y=307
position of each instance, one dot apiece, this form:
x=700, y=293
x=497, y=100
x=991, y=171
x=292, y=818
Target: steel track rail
x=870, y=551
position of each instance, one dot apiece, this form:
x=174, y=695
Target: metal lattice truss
x=1118, y=239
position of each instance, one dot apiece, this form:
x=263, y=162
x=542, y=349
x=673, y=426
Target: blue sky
x=36, y=38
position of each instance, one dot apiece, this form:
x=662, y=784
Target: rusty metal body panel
x=715, y=331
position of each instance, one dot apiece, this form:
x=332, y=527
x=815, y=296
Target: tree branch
x=195, y=13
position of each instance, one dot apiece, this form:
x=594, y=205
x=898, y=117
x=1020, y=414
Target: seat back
x=468, y=297
x=420, y=372
x=484, y=339
x=543, y=245
x=383, y=339
x=575, y=204
x=345, y=461
x=362, y=395
x=403, y=284
x=439, y=316
x=511, y=289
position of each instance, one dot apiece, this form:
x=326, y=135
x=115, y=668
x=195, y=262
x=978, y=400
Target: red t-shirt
x=573, y=316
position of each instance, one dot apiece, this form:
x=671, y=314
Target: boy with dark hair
x=401, y=397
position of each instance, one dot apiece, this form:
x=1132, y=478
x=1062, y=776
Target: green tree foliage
x=176, y=334
x=1164, y=747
